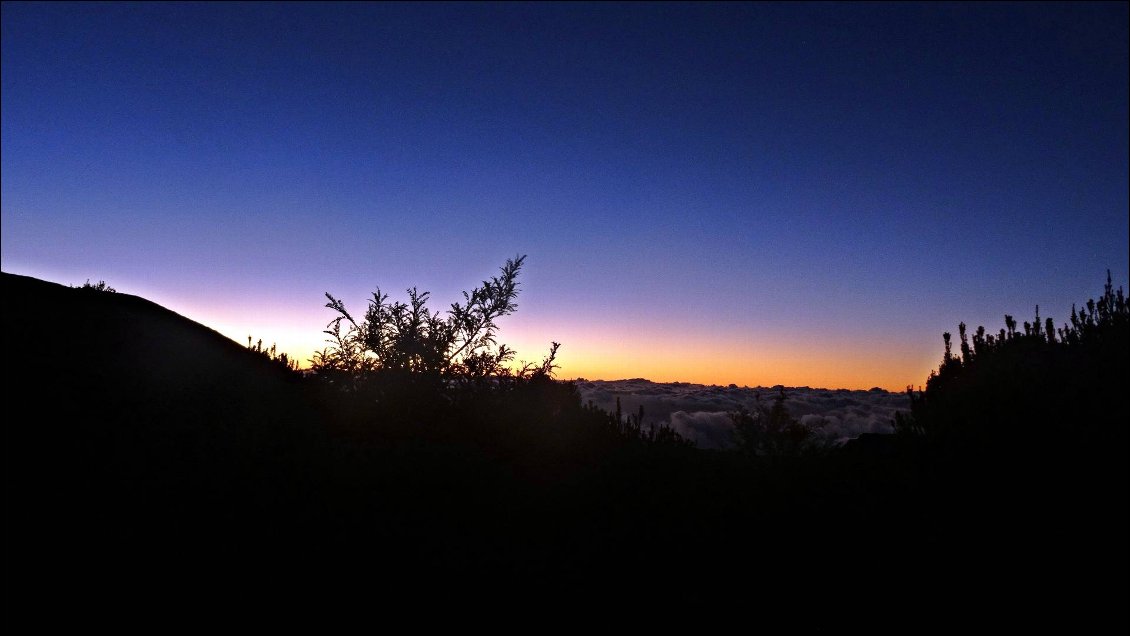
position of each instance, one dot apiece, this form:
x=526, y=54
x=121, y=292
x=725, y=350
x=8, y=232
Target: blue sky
x=806, y=194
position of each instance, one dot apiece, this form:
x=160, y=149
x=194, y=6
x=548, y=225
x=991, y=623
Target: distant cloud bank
x=701, y=413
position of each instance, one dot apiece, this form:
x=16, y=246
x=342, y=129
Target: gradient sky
x=757, y=194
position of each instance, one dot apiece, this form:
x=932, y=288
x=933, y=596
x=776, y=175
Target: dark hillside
x=87, y=361
x=138, y=442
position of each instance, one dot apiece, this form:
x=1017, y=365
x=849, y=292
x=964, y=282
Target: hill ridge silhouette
x=138, y=440
x=20, y=289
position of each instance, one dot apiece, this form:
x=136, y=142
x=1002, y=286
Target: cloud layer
x=701, y=413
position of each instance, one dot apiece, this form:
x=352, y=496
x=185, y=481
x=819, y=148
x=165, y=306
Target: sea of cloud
x=701, y=413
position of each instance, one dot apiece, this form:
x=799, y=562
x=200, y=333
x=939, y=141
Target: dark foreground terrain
x=154, y=468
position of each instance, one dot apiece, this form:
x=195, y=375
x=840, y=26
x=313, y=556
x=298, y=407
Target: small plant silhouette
x=632, y=426
x=272, y=354
x=100, y=286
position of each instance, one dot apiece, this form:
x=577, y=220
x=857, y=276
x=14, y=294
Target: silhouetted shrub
x=770, y=431
x=632, y=426
x=1019, y=445
x=1035, y=387
x=403, y=363
x=272, y=354
x=408, y=340
x=100, y=286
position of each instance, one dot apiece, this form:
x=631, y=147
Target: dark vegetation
x=100, y=286
x=770, y=432
x=149, y=458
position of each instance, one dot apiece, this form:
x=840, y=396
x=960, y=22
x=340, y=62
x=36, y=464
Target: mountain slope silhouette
x=139, y=444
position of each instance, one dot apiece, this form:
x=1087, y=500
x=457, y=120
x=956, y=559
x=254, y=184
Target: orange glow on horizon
x=716, y=358
x=766, y=371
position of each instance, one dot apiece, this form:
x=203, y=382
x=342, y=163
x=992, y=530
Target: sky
x=803, y=194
